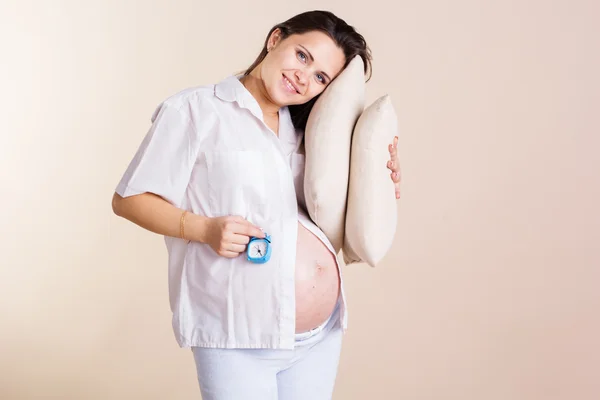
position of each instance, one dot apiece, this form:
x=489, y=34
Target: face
x=300, y=67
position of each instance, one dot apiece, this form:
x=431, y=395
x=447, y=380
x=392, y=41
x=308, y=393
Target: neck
x=255, y=86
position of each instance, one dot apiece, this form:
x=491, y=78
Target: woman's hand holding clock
x=229, y=235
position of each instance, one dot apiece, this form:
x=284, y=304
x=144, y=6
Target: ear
x=274, y=39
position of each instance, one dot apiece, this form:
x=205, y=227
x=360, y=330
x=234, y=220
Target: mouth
x=289, y=85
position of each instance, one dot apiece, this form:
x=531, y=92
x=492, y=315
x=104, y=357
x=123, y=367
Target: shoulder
x=193, y=106
x=202, y=106
x=189, y=100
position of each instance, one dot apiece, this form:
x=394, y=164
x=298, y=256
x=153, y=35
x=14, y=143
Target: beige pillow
x=328, y=137
x=371, y=214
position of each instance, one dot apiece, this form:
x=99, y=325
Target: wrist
x=196, y=227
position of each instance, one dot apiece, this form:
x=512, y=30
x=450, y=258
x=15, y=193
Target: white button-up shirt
x=209, y=151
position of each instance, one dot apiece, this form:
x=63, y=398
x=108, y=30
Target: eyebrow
x=313, y=59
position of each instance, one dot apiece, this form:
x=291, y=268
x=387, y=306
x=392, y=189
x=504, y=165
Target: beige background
x=491, y=289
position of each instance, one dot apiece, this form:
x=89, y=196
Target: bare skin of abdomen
x=317, y=281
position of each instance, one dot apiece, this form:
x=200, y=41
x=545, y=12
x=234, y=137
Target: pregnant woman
x=223, y=165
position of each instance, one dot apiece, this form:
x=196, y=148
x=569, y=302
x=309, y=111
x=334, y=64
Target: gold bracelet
x=182, y=224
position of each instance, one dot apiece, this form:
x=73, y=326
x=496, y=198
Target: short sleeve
x=164, y=160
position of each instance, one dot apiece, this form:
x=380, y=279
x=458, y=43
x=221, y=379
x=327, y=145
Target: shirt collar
x=232, y=90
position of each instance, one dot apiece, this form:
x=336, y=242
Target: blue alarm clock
x=259, y=249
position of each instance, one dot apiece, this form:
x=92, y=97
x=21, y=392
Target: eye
x=321, y=78
x=302, y=56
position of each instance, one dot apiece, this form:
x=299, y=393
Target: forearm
x=157, y=215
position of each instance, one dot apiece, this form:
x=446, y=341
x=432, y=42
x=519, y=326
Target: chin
x=282, y=100
x=275, y=96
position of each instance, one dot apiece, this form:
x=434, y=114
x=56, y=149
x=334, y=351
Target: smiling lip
x=288, y=83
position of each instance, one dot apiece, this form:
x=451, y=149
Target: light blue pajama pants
x=307, y=372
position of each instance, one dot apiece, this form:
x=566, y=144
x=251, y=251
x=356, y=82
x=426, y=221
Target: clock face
x=257, y=249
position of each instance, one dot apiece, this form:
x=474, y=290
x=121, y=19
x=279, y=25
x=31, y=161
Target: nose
x=301, y=77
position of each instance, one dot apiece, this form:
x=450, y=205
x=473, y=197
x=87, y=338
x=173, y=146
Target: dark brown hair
x=345, y=36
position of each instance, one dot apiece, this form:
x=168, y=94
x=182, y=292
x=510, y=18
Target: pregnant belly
x=317, y=281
